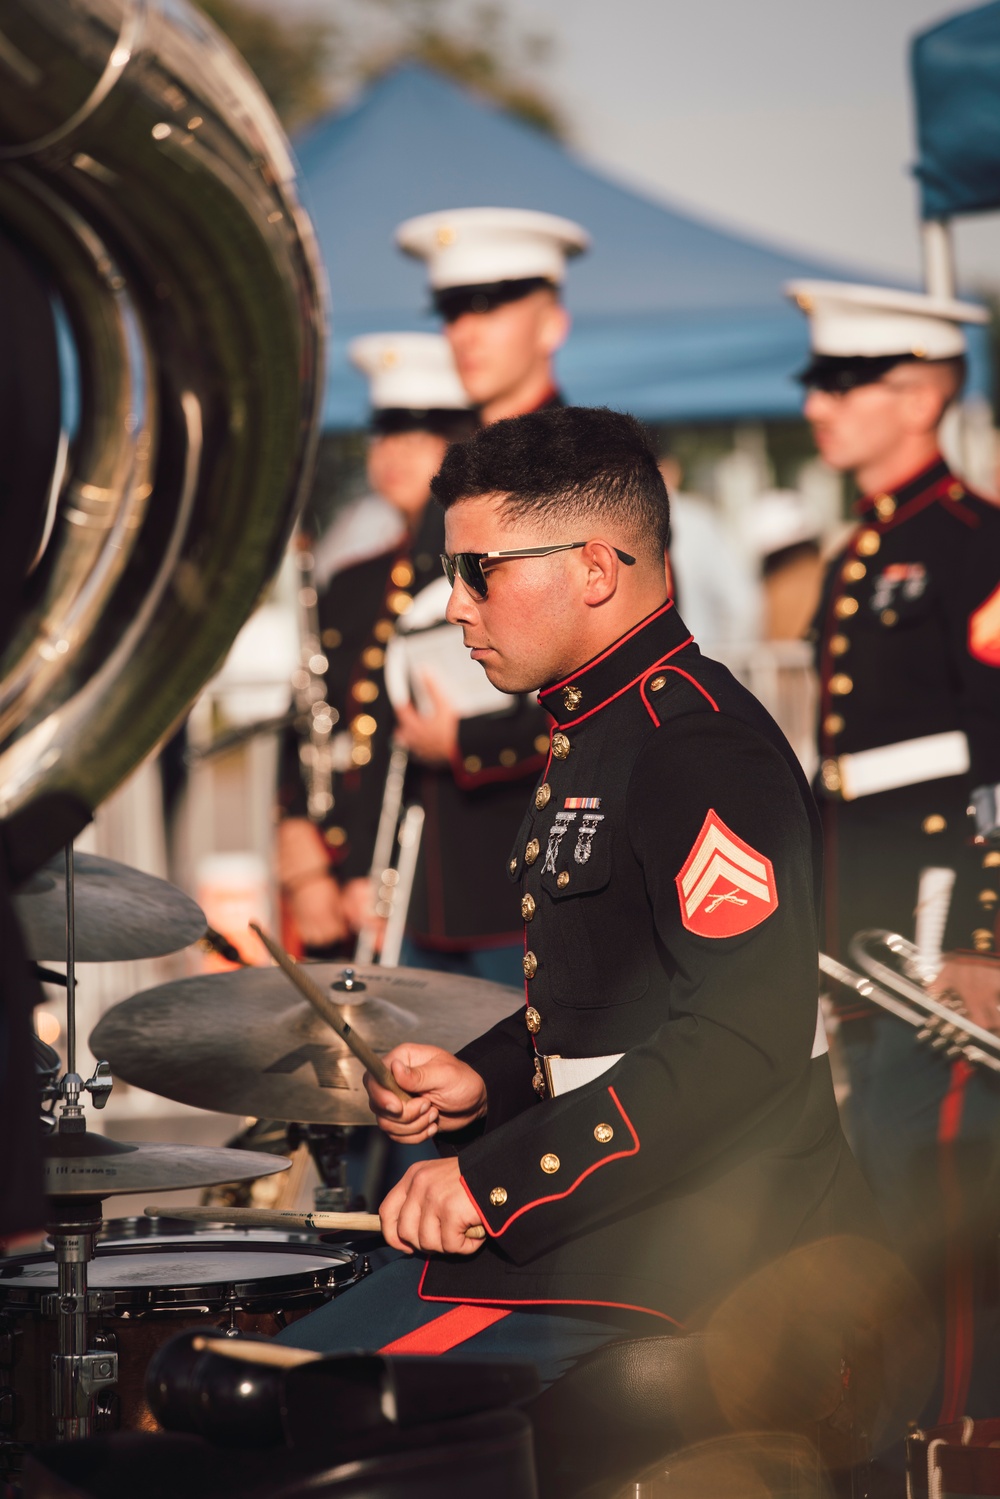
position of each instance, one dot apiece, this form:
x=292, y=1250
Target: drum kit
x=79, y=1324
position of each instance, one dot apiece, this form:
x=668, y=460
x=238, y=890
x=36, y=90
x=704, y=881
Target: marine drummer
x=657, y=1119
x=908, y=653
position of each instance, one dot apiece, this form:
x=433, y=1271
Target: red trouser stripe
x=448, y=1330
x=959, y=1289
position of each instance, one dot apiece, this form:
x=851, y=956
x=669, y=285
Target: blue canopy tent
x=673, y=319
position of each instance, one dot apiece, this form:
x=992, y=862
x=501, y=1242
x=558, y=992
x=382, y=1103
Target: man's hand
x=448, y=1094
x=976, y=981
x=434, y=738
x=429, y=1210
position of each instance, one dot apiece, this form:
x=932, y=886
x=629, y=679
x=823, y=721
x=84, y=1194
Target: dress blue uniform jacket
x=667, y=873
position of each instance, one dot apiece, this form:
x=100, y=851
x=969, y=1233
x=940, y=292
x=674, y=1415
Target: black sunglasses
x=469, y=565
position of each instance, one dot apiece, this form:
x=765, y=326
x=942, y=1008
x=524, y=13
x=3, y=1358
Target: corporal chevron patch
x=725, y=887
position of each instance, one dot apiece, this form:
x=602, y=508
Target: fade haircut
x=572, y=462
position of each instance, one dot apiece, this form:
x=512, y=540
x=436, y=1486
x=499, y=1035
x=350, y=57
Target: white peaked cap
x=477, y=246
x=415, y=371
x=777, y=519
x=852, y=322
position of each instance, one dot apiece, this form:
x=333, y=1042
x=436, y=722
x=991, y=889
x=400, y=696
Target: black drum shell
x=228, y=1401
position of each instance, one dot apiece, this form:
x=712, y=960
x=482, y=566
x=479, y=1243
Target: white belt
x=892, y=765
x=563, y=1074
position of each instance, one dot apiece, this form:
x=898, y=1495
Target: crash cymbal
x=120, y=912
x=86, y=1165
x=246, y=1043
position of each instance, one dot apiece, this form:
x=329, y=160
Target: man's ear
x=600, y=562
x=925, y=406
x=555, y=326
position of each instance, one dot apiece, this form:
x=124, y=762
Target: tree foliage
x=307, y=63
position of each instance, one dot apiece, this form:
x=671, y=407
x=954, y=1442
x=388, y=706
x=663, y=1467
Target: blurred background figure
x=784, y=539
x=713, y=584
x=378, y=562
x=494, y=275
x=908, y=656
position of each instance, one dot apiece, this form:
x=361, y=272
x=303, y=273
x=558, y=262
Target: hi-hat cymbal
x=87, y=1165
x=121, y=913
x=246, y=1043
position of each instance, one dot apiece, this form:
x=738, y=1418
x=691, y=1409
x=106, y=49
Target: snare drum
x=251, y=1281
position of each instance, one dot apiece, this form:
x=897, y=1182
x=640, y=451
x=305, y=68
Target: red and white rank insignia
x=726, y=887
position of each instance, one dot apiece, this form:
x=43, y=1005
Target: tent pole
x=939, y=257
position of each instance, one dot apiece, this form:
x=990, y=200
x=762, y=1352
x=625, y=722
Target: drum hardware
x=944, y=1028
x=243, y=1043
x=215, y=942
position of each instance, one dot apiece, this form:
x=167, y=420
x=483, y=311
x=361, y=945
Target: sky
x=788, y=118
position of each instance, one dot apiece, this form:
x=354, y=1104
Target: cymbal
x=246, y=1043
x=87, y=1165
x=120, y=912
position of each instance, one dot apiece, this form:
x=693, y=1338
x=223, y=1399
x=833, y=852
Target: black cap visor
x=837, y=373
x=451, y=423
x=453, y=302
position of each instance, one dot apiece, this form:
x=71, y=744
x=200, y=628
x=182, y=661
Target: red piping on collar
x=681, y=673
x=514, y=1303
x=572, y=723
x=558, y=1196
x=588, y=665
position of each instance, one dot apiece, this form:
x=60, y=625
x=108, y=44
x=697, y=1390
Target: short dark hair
x=572, y=460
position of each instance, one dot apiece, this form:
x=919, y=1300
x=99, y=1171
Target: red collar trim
x=616, y=645
x=571, y=723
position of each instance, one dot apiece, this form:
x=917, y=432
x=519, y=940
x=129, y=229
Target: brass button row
x=543, y=796
x=560, y=746
x=527, y=907
x=530, y=965
x=532, y=1020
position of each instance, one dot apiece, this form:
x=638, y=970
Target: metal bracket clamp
x=53, y=1304
x=76, y=1379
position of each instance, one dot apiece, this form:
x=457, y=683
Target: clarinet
x=316, y=719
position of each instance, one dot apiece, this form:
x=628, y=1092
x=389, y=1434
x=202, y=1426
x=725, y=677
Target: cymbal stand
x=81, y=1376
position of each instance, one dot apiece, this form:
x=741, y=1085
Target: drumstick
x=333, y=1015
x=363, y=1223
x=253, y=1352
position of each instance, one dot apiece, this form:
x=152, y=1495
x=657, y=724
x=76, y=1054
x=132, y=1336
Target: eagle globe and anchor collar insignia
x=725, y=887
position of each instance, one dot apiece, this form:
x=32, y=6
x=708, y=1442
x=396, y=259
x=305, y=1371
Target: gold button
x=934, y=824
x=512, y=866
x=373, y=657
x=364, y=692
x=532, y=851
x=833, y=724
x=888, y=617
x=841, y=684
x=982, y=939
x=399, y=602
x=543, y=795
x=472, y=764
x=992, y=860
x=542, y=744
x=830, y=775
x=562, y=880
x=331, y=639
x=549, y=1164
x=560, y=746
x=853, y=571
x=507, y=757
x=402, y=574
x=384, y=630
x=572, y=697
x=657, y=684
x=839, y=645
x=527, y=907
x=885, y=506
x=956, y=492
x=987, y=897
x=498, y=1197
x=868, y=543
x=844, y=608
x=335, y=837
x=530, y=965
x=603, y=1133
x=532, y=1020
